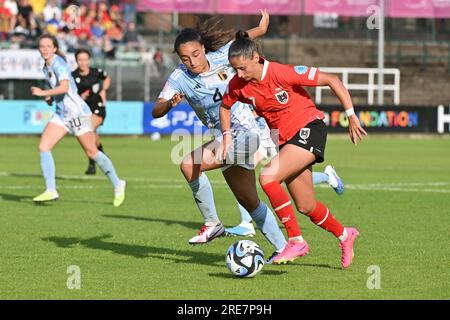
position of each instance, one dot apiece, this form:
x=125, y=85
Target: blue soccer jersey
x=204, y=92
x=69, y=105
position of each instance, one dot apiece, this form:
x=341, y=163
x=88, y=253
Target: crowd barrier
x=135, y=118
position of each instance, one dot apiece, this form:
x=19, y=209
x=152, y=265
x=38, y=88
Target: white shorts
x=242, y=151
x=76, y=126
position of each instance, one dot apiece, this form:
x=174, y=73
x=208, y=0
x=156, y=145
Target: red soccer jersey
x=279, y=97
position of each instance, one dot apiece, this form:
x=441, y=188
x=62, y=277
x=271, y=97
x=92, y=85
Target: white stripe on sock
x=283, y=206
x=326, y=216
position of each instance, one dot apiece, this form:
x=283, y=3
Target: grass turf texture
x=398, y=196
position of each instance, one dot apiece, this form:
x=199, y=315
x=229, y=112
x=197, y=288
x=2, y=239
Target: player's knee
x=186, y=166
x=249, y=203
x=44, y=147
x=305, y=207
x=265, y=179
x=91, y=153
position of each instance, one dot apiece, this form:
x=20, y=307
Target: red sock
x=322, y=217
x=281, y=203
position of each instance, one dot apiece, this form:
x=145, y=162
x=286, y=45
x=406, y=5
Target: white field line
x=159, y=186
x=182, y=181
x=102, y=177
x=158, y=183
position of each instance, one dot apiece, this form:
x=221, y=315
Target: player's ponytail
x=242, y=34
x=206, y=33
x=55, y=44
x=243, y=46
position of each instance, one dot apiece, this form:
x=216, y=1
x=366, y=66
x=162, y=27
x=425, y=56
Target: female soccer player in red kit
x=276, y=92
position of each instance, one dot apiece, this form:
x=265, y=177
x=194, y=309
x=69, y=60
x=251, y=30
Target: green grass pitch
x=398, y=196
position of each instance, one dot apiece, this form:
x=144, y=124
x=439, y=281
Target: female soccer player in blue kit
x=72, y=115
x=202, y=79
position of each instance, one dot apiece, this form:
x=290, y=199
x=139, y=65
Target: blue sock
x=319, y=177
x=245, y=216
x=48, y=170
x=203, y=195
x=266, y=222
x=107, y=167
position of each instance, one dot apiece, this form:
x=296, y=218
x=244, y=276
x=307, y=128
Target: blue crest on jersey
x=301, y=69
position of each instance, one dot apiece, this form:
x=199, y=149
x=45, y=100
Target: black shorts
x=99, y=111
x=313, y=137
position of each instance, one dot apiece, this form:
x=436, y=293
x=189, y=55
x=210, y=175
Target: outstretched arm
x=163, y=106
x=261, y=29
x=61, y=89
x=355, y=130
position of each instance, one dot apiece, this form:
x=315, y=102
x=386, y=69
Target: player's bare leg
x=242, y=183
x=290, y=162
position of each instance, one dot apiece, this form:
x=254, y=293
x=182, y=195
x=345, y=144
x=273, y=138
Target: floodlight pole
x=381, y=54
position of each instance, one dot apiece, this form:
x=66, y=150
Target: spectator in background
x=103, y=16
x=91, y=15
x=54, y=24
x=25, y=10
x=35, y=31
x=71, y=39
x=11, y=5
x=52, y=12
x=83, y=38
x=97, y=30
x=132, y=39
x=114, y=11
x=129, y=8
x=109, y=49
x=5, y=21
x=87, y=17
x=20, y=33
x=115, y=33
x=158, y=58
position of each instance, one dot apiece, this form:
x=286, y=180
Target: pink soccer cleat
x=347, y=247
x=292, y=251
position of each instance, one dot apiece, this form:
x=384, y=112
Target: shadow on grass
x=139, y=251
x=35, y=175
x=187, y=224
x=327, y=266
x=29, y=200
x=228, y=275
x=14, y=197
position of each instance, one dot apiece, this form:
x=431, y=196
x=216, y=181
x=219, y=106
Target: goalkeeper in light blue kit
x=72, y=115
x=202, y=79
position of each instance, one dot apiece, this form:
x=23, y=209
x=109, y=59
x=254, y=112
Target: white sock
x=297, y=239
x=343, y=237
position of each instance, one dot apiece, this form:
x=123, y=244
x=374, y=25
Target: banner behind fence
x=394, y=8
x=135, y=118
x=25, y=64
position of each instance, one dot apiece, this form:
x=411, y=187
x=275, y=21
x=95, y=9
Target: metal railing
x=370, y=86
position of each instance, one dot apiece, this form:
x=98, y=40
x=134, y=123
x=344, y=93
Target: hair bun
x=242, y=34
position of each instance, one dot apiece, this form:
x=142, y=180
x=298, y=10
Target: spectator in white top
x=13, y=10
x=52, y=11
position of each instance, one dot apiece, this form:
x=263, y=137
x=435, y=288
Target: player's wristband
x=350, y=112
x=226, y=132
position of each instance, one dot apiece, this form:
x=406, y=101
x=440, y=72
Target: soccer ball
x=155, y=136
x=245, y=259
